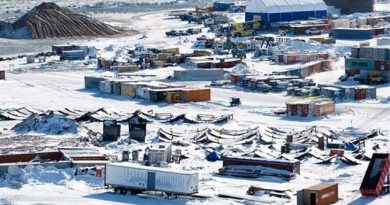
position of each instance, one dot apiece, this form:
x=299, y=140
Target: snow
x=61, y=85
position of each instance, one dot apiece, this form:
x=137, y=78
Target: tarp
x=213, y=156
x=350, y=147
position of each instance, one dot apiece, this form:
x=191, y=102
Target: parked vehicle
x=172, y=33
x=134, y=178
x=313, y=31
x=192, y=31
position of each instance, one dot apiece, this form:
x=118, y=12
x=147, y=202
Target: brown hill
x=48, y=20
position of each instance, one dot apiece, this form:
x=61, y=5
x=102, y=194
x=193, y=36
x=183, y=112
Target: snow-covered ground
x=54, y=89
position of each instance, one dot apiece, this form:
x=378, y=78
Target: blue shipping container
x=220, y=6
x=343, y=33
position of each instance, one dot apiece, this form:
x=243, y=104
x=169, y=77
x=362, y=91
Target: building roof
x=283, y=6
x=321, y=186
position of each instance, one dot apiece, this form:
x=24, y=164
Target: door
x=151, y=181
x=313, y=199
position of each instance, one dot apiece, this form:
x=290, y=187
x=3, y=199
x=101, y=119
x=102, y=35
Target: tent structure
x=270, y=11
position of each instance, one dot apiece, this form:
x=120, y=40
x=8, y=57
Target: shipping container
x=340, y=23
x=125, y=177
x=106, y=86
x=292, y=166
x=173, y=96
x=351, y=72
x=157, y=95
x=72, y=55
x=2, y=74
x=196, y=95
x=92, y=82
x=199, y=74
x=360, y=93
x=382, y=65
x=324, y=108
x=383, y=41
x=321, y=194
x=127, y=68
x=130, y=88
x=371, y=93
x=161, y=152
x=352, y=34
x=300, y=29
x=361, y=64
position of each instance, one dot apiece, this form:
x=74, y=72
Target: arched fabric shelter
x=271, y=11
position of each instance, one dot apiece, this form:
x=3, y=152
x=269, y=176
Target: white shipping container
x=135, y=176
x=383, y=41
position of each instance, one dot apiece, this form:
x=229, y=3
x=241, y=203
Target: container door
x=313, y=198
x=151, y=181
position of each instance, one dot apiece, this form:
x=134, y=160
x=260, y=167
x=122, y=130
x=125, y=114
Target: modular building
x=271, y=11
x=321, y=194
x=135, y=178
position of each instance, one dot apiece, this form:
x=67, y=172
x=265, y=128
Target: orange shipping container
x=196, y=95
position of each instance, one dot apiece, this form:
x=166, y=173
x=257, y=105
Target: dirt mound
x=48, y=20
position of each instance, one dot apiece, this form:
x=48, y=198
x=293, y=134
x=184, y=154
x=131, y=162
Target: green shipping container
x=360, y=64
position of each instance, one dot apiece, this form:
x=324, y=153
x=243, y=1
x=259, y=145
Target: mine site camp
x=196, y=102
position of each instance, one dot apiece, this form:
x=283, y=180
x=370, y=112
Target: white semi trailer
x=134, y=178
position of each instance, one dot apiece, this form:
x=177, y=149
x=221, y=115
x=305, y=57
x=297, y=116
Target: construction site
x=195, y=102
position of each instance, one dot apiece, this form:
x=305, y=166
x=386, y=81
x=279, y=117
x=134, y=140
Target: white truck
x=134, y=178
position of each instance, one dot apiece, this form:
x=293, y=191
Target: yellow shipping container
x=129, y=89
x=127, y=68
x=173, y=96
x=173, y=51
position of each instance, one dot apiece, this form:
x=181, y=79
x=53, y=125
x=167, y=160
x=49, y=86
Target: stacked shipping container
x=292, y=58
x=369, y=61
x=310, y=107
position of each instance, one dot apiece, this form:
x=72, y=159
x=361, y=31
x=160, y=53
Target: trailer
x=134, y=178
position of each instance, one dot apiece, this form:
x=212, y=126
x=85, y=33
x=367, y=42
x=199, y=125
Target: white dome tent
x=271, y=11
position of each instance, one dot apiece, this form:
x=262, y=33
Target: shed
x=321, y=194
x=271, y=11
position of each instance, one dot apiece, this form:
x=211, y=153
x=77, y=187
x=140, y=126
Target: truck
x=247, y=28
x=126, y=177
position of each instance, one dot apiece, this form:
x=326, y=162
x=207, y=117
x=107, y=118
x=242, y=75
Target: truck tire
x=117, y=190
x=123, y=191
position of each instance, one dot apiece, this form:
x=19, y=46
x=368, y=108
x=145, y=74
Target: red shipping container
x=382, y=65
x=293, y=109
x=234, y=78
x=351, y=72
x=304, y=109
x=375, y=175
x=338, y=152
x=360, y=94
